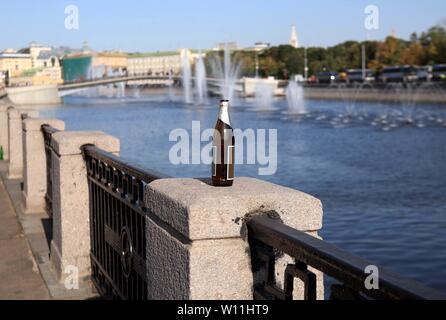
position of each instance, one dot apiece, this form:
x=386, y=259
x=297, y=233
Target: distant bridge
x=70, y=88
x=52, y=94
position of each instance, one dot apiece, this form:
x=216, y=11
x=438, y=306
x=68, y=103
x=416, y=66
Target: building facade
x=163, y=64
x=88, y=65
x=35, y=65
x=156, y=64
x=231, y=46
x=14, y=63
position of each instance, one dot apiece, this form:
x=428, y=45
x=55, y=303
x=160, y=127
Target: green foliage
x=31, y=72
x=2, y=156
x=434, y=44
x=283, y=61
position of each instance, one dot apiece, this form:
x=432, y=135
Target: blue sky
x=150, y=25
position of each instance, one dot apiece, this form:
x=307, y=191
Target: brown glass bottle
x=223, y=149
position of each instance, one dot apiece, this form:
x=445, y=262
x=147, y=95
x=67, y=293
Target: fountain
x=264, y=96
x=136, y=92
x=227, y=74
x=120, y=85
x=200, y=80
x=295, y=98
x=170, y=93
x=187, y=76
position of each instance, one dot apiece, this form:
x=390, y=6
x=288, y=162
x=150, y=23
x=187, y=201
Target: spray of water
x=187, y=77
x=264, y=96
x=170, y=94
x=295, y=98
x=200, y=80
x=227, y=73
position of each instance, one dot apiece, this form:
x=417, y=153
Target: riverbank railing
x=270, y=238
x=118, y=234
x=48, y=132
x=117, y=224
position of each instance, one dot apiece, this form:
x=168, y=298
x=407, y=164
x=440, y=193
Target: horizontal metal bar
x=106, y=275
x=336, y=263
x=121, y=164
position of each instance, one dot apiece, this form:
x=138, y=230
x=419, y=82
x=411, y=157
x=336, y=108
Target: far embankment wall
x=372, y=95
x=34, y=95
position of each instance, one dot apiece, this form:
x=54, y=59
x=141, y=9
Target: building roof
x=77, y=55
x=153, y=54
x=14, y=55
x=110, y=54
x=45, y=55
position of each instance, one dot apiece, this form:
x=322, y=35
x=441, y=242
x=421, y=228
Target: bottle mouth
x=224, y=103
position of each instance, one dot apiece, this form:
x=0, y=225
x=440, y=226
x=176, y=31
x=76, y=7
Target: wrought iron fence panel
x=117, y=224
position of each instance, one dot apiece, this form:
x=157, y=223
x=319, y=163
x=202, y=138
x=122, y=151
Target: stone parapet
x=70, y=246
x=15, y=141
x=35, y=163
x=4, y=140
x=196, y=244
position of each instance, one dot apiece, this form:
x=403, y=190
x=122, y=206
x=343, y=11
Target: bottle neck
x=224, y=114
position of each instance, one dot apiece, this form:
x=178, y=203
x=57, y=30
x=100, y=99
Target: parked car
x=424, y=73
x=439, y=72
x=327, y=77
x=399, y=74
x=356, y=75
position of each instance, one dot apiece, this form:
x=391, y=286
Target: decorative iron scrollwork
x=126, y=252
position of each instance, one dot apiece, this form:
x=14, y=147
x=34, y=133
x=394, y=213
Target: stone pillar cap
x=200, y=211
x=36, y=124
x=70, y=142
x=30, y=112
x=4, y=107
x=13, y=113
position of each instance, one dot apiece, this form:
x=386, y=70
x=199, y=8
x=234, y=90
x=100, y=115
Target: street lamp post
x=363, y=62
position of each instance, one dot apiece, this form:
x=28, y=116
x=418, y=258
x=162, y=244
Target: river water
x=383, y=186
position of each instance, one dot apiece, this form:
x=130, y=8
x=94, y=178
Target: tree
x=284, y=60
x=434, y=43
x=413, y=54
x=389, y=52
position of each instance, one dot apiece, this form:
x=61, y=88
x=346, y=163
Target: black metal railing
x=269, y=238
x=117, y=224
x=48, y=132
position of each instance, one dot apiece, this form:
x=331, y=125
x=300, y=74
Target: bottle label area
x=228, y=163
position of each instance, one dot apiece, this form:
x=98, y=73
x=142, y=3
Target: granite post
x=34, y=163
x=196, y=244
x=70, y=246
x=15, y=138
x=4, y=143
